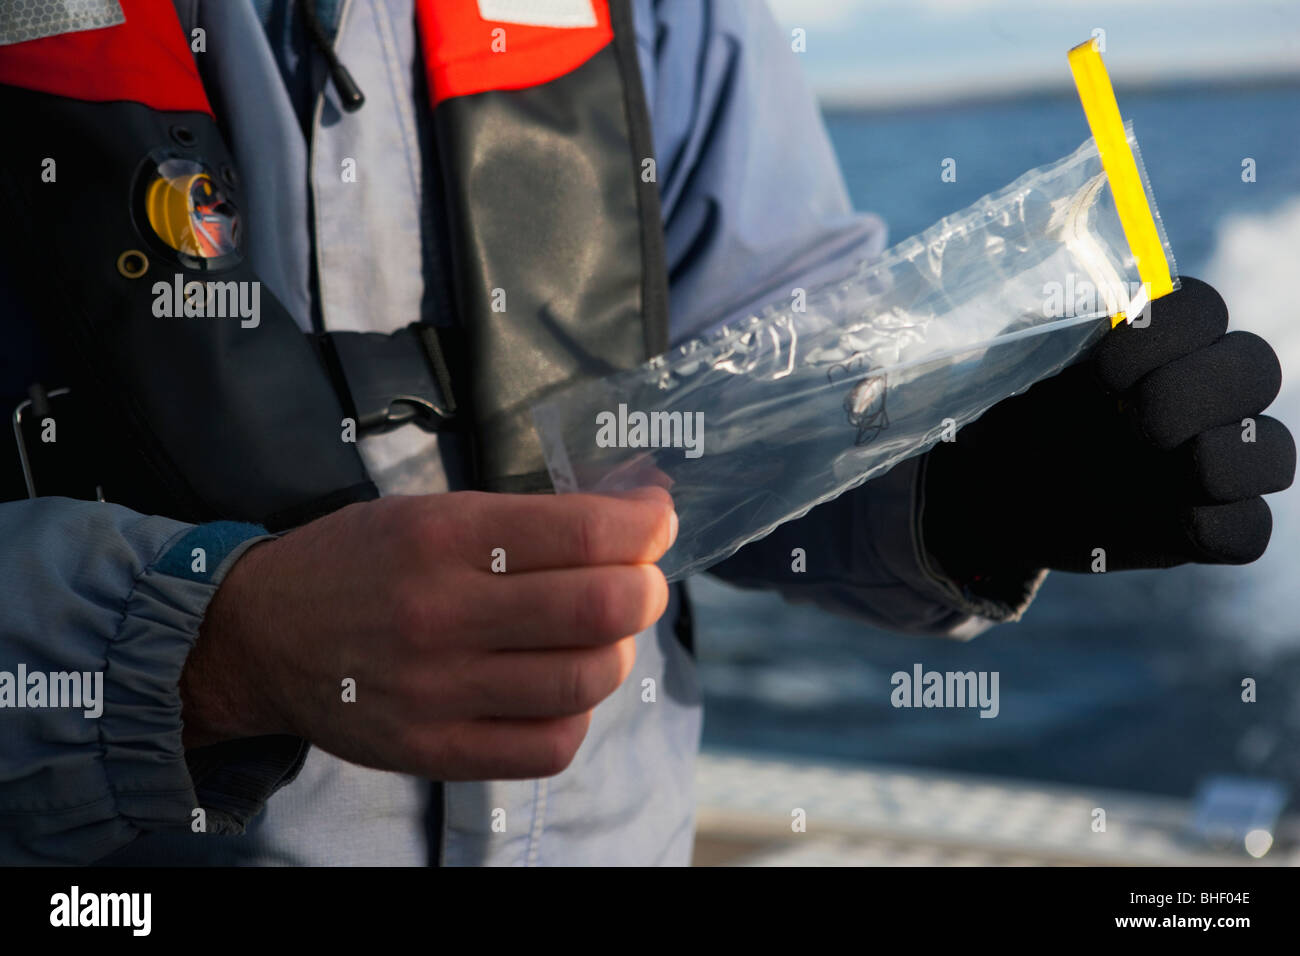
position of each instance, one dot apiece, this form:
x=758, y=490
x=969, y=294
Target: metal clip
x=40, y=397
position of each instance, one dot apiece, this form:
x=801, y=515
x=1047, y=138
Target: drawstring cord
x=349, y=93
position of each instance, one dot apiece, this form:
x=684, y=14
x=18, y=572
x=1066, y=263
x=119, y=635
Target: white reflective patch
x=540, y=13
x=22, y=20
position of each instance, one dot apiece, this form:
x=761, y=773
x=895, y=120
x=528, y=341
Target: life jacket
x=168, y=395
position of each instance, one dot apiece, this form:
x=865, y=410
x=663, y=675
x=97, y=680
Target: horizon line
x=937, y=98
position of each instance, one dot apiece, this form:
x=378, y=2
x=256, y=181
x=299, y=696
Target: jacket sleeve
x=861, y=556
x=98, y=591
x=754, y=204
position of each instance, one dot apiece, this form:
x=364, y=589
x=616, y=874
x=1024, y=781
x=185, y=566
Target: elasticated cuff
x=140, y=727
x=994, y=599
x=233, y=780
x=156, y=783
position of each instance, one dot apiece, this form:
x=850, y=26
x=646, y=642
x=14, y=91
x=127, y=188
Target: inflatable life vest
x=180, y=386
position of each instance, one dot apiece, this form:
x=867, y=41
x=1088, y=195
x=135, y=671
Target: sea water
x=1130, y=680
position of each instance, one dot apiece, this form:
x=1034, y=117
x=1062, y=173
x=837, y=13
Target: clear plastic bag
x=764, y=418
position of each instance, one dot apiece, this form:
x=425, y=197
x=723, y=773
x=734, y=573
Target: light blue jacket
x=753, y=203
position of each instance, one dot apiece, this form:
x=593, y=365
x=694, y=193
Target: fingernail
x=672, y=524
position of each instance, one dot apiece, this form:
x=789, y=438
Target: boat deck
x=906, y=817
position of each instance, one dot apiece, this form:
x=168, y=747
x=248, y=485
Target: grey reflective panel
x=22, y=20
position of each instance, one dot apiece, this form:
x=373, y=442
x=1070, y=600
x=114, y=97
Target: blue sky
x=888, y=51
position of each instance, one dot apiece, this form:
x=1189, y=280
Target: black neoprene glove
x=1142, y=451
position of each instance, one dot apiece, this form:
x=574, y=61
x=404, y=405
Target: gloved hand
x=1141, y=451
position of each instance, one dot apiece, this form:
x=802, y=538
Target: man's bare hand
x=461, y=672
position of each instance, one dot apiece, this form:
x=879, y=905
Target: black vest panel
x=195, y=418
x=558, y=245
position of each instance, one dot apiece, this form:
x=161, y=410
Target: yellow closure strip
x=1121, y=169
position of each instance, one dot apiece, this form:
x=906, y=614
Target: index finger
x=1182, y=322
x=547, y=532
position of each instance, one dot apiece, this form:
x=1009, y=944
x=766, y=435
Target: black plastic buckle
x=387, y=381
